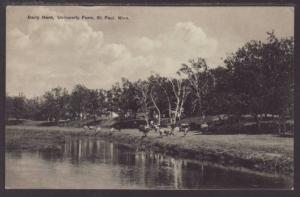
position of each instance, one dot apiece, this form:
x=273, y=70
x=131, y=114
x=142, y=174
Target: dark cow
x=185, y=127
x=117, y=126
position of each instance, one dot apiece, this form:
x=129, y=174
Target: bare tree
x=175, y=92
x=155, y=106
x=198, y=77
x=180, y=91
x=143, y=98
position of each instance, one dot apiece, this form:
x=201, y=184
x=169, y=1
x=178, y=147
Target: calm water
x=85, y=163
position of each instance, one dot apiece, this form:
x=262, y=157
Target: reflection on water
x=86, y=163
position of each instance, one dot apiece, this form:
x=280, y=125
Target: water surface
x=86, y=163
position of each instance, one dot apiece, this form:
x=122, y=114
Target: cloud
x=65, y=53
x=146, y=44
x=49, y=54
x=187, y=40
x=18, y=39
x=114, y=52
x=167, y=51
x=190, y=33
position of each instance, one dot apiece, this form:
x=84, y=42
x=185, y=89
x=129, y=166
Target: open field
x=265, y=153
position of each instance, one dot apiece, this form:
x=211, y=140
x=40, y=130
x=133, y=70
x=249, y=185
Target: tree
x=261, y=77
x=198, y=76
x=164, y=97
x=219, y=94
x=96, y=102
x=101, y=100
x=33, y=109
x=246, y=66
x=8, y=107
x=114, y=99
x=79, y=101
x=55, y=102
x=128, y=101
x=15, y=106
x=143, y=98
x=158, y=96
x=180, y=92
x=278, y=57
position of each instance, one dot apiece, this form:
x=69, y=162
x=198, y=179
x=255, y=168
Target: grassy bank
x=263, y=153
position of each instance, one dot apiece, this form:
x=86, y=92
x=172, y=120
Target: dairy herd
x=164, y=131
x=146, y=129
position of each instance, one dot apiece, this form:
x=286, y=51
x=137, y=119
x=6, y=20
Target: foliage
x=257, y=79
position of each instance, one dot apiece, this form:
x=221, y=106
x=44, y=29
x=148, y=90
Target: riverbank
x=262, y=153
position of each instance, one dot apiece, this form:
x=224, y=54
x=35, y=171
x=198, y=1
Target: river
x=87, y=163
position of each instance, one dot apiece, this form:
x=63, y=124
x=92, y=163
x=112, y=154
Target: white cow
x=204, y=126
x=98, y=128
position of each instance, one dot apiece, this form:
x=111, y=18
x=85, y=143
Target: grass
x=265, y=153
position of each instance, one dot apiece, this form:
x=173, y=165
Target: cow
x=117, y=126
x=85, y=127
x=157, y=129
x=145, y=129
x=98, y=128
x=204, y=126
x=169, y=130
x=185, y=128
x=176, y=129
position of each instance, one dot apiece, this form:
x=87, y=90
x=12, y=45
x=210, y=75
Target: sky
x=43, y=54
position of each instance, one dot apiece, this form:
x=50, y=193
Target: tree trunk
x=238, y=117
x=239, y=123
x=284, y=126
x=158, y=120
x=146, y=118
x=258, y=123
x=156, y=107
x=281, y=124
x=56, y=120
x=171, y=120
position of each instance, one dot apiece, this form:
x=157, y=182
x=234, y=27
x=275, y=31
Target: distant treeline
x=257, y=79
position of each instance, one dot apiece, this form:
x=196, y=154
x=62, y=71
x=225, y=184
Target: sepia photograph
x=149, y=97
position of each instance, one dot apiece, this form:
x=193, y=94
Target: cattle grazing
x=91, y=127
x=185, y=128
x=176, y=129
x=145, y=129
x=160, y=132
x=157, y=130
x=85, y=127
x=169, y=130
x=204, y=126
x=98, y=128
x=117, y=127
